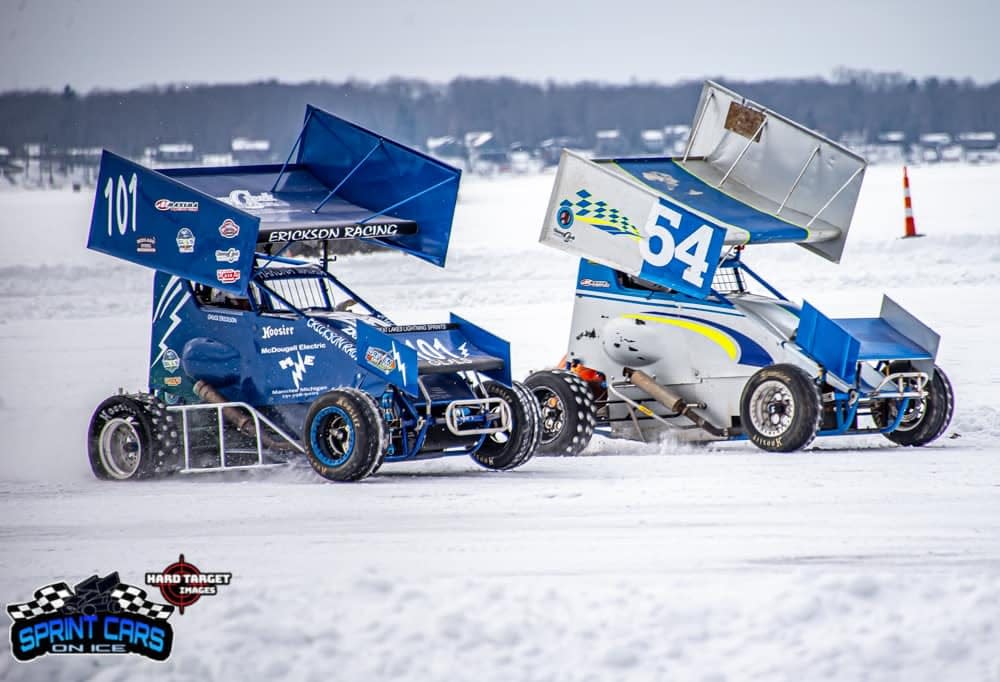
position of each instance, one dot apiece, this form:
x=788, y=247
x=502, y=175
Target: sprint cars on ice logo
x=100, y=615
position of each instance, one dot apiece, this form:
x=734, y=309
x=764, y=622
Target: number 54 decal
x=668, y=241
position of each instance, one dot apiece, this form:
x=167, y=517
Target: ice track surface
x=855, y=560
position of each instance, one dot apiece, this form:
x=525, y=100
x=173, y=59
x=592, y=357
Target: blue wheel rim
x=322, y=439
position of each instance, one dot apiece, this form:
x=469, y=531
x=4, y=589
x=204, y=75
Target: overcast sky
x=125, y=43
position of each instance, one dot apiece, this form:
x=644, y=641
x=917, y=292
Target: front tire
x=131, y=437
x=780, y=408
x=567, y=411
x=512, y=448
x=924, y=420
x=343, y=436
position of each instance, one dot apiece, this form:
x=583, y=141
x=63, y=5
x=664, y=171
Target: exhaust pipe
x=239, y=418
x=671, y=400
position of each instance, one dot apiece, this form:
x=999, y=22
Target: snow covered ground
x=855, y=560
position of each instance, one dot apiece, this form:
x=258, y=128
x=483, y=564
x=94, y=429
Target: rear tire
x=567, y=410
x=512, y=448
x=780, y=408
x=131, y=437
x=343, y=436
x=924, y=420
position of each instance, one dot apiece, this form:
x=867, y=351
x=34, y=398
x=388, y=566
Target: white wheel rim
x=553, y=413
x=772, y=408
x=120, y=448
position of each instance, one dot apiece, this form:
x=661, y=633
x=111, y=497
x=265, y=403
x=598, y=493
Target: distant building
x=175, y=154
x=448, y=150
x=247, y=151
x=675, y=138
x=931, y=147
x=486, y=156
x=653, y=142
x=217, y=160
x=551, y=149
x=979, y=147
x=524, y=159
x=610, y=143
x=889, y=147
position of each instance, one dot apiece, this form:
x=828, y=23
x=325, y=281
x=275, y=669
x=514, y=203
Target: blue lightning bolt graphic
x=175, y=320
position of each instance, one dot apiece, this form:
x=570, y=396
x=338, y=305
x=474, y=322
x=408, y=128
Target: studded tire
x=343, y=436
x=512, y=448
x=924, y=420
x=383, y=434
x=780, y=408
x=568, y=413
x=132, y=437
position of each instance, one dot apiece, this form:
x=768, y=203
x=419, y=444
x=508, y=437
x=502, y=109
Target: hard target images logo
x=97, y=616
x=182, y=584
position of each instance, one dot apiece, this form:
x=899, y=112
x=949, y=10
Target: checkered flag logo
x=133, y=600
x=48, y=599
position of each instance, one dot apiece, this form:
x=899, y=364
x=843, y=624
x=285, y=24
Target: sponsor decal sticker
x=172, y=381
x=171, y=362
x=100, y=615
x=400, y=328
x=438, y=353
x=299, y=366
x=230, y=255
x=564, y=216
x=270, y=350
x=182, y=584
x=227, y=275
x=245, y=199
x=596, y=283
x=382, y=360
x=185, y=240
x=229, y=229
x=271, y=332
x=168, y=205
x=145, y=245
x=348, y=232
x=337, y=339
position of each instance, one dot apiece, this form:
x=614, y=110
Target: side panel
x=393, y=361
x=909, y=326
x=827, y=342
x=490, y=344
x=602, y=215
x=145, y=217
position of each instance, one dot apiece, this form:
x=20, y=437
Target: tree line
x=209, y=116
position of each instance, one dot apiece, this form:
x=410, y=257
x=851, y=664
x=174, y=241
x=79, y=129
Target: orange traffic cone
x=909, y=224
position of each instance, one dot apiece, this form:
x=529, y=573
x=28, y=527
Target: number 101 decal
x=121, y=203
x=667, y=237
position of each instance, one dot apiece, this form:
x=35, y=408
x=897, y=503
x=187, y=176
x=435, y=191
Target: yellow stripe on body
x=711, y=333
x=631, y=234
